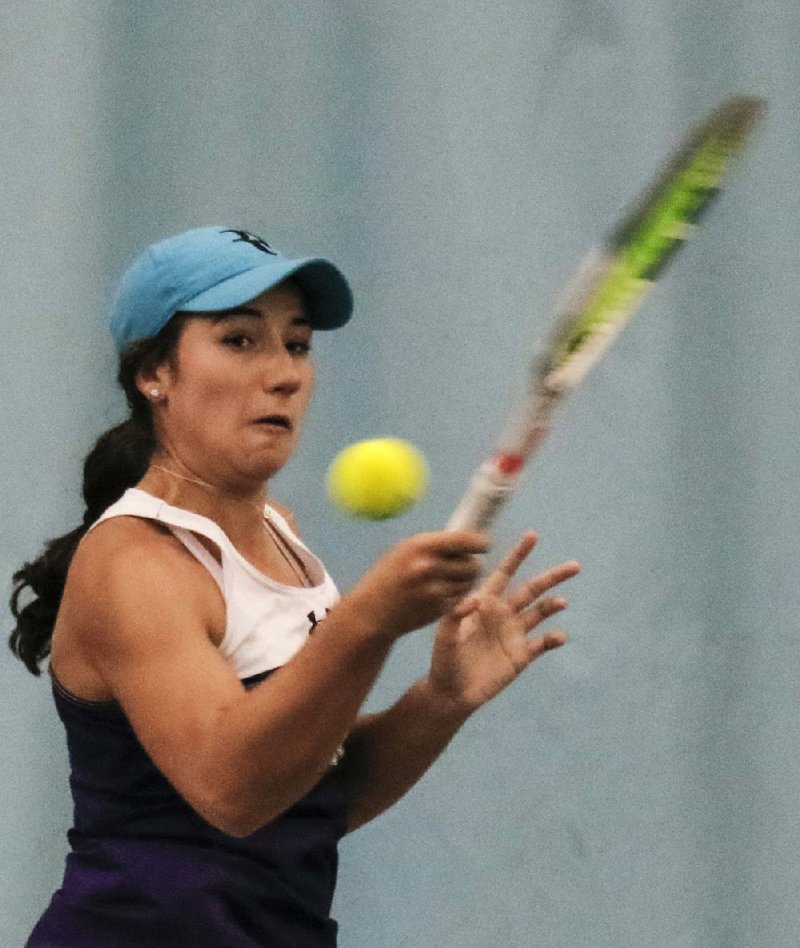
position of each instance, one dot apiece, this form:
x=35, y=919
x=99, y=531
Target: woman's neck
x=182, y=488
x=241, y=519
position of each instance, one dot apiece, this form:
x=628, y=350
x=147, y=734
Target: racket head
x=606, y=290
x=613, y=281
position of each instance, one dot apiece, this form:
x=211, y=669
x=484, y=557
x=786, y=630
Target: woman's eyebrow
x=237, y=312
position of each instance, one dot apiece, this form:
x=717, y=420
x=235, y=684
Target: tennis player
x=207, y=672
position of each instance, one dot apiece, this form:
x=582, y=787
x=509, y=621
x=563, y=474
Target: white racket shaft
x=498, y=476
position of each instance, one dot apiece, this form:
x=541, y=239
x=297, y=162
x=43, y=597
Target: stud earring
x=154, y=393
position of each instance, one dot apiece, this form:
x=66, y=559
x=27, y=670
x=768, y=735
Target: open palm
x=485, y=643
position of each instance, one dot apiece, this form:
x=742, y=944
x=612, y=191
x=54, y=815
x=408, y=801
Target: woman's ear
x=152, y=380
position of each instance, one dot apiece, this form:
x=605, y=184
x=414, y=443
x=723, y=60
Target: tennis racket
x=607, y=288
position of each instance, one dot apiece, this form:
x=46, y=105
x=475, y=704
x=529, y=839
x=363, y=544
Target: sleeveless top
x=145, y=870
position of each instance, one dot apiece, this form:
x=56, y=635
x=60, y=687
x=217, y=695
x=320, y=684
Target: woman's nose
x=282, y=374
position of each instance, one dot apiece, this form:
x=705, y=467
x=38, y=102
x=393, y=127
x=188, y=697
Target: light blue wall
x=641, y=786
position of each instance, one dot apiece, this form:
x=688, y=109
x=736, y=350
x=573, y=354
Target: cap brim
x=327, y=294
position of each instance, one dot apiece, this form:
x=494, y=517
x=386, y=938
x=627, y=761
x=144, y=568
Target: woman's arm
x=388, y=752
x=480, y=648
x=241, y=757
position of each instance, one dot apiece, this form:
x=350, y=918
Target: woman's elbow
x=240, y=814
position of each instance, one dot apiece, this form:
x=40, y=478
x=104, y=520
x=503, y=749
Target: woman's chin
x=263, y=466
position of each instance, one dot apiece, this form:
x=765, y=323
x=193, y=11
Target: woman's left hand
x=484, y=643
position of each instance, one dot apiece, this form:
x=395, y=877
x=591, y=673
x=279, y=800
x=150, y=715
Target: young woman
x=208, y=675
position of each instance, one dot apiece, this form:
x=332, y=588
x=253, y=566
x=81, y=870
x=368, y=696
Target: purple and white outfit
x=145, y=870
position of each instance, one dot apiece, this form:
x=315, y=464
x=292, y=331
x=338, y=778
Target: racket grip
x=485, y=497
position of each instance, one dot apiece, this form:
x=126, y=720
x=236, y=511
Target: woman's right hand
x=419, y=580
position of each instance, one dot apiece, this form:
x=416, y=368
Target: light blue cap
x=215, y=268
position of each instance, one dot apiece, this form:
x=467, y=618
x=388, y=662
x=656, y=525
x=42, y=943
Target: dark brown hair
x=117, y=461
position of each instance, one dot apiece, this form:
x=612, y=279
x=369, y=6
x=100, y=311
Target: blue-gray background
x=641, y=786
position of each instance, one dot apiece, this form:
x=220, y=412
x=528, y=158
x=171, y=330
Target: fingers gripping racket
x=607, y=288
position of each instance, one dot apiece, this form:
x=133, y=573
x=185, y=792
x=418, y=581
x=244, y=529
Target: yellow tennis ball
x=377, y=479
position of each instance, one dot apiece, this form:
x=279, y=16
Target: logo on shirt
x=312, y=618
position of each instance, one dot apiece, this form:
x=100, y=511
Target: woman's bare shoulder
x=123, y=539
x=136, y=529
x=126, y=557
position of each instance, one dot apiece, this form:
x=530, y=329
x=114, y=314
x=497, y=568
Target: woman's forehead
x=283, y=304
x=285, y=295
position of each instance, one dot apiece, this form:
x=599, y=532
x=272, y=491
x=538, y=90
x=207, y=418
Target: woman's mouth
x=275, y=422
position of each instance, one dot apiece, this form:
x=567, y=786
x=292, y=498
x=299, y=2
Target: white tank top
x=266, y=621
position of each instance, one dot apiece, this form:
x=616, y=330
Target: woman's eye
x=299, y=347
x=237, y=340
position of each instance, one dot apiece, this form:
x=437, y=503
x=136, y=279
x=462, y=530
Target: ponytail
x=118, y=460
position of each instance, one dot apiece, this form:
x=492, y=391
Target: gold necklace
x=195, y=480
x=281, y=543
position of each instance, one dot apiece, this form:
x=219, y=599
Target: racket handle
x=485, y=497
